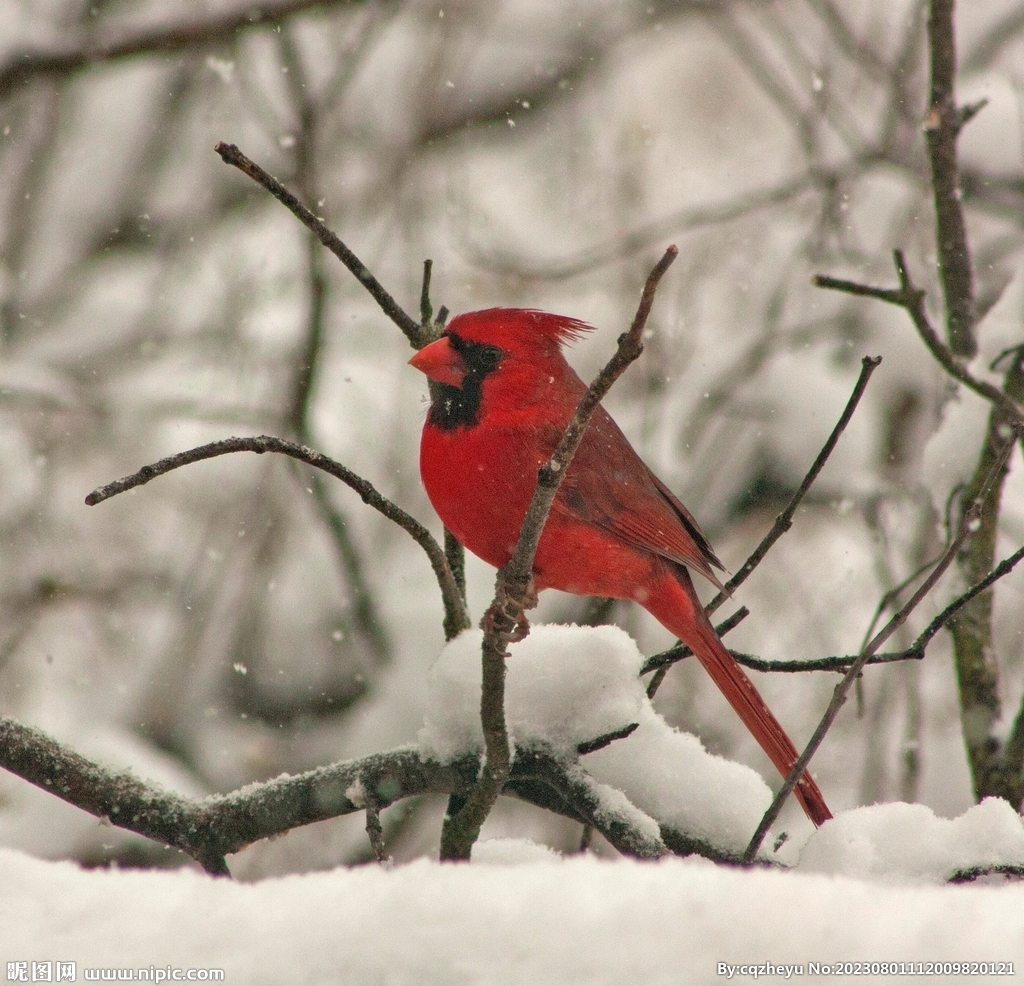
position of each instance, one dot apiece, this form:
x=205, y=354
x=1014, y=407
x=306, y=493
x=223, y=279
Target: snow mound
x=672, y=777
x=568, y=685
x=579, y=921
x=908, y=843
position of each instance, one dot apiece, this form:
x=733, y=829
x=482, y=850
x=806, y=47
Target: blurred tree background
x=243, y=617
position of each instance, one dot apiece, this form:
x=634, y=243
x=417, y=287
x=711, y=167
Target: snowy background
x=235, y=620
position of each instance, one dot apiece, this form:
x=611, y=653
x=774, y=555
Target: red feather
x=503, y=395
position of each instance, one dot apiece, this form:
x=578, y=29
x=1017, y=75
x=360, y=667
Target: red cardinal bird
x=503, y=395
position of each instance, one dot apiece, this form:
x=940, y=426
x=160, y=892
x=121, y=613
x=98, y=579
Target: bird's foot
x=509, y=611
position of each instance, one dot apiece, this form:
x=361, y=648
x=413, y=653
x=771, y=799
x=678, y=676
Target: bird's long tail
x=676, y=606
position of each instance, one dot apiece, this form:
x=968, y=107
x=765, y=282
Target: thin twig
x=890, y=597
x=968, y=112
x=426, y=309
x=505, y=618
x=912, y=299
x=967, y=523
x=375, y=833
x=949, y=361
x=660, y=663
x=592, y=746
x=585, y=837
x=785, y=519
x=416, y=335
x=454, y=607
x=520, y=566
x=892, y=296
x=915, y=652
x=837, y=663
x=1003, y=568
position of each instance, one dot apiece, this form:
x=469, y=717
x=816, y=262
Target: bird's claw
x=509, y=612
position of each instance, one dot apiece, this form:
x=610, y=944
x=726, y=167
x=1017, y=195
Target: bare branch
x=941, y=128
x=426, y=309
x=967, y=523
x=968, y=112
x=911, y=299
x=660, y=663
x=118, y=796
x=1009, y=871
x=415, y=333
x=375, y=833
x=209, y=829
x=915, y=652
x=840, y=663
x=592, y=746
x=218, y=29
x=578, y=795
x=1006, y=566
x=552, y=473
x=785, y=519
x=454, y=607
x=892, y=296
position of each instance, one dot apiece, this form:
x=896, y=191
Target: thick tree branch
x=941, y=128
x=995, y=767
x=209, y=829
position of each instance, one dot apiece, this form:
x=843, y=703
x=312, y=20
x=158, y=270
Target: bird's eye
x=487, y=357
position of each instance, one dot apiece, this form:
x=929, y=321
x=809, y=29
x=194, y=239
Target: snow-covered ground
x=517, y=915
x=869, y=887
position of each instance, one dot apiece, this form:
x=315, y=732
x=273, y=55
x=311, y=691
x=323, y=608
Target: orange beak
x=441, y=363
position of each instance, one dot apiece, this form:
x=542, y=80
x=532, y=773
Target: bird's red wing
x=609, y=485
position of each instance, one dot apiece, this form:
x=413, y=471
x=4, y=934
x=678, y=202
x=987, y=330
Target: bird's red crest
x=505, y=327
